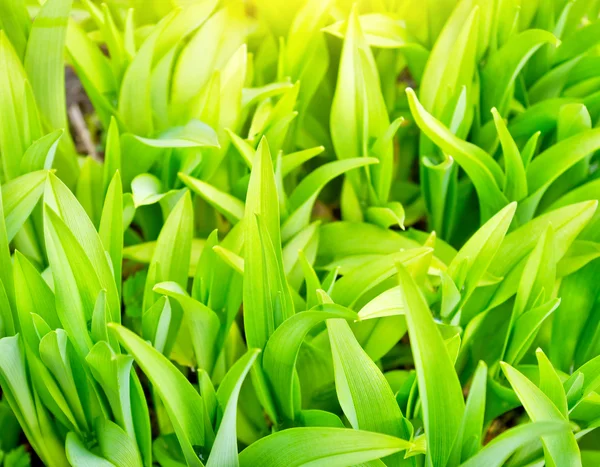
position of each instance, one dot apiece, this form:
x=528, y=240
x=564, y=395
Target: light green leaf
x=231, y=207
x=40, y=155
x=380, y=30
x=471, y=430
x=112, y=154
x=113, y=373
x=553, y=162
x=19, y=197
x=281, y=352
x=510, y=260
x=550, y=383
x=32, y=296
x=362, y=390
x=302, y=199
x=135, y=94
x=61, y=200
x=111, y=227
x=194, y=134
x=482, y=169
x=334, y=447
x=515, y=184
x=202, y=322
x=388, y=303
x=474, y=258
x=266, y=304
x=358, y=113
x=224, y=450
x=76, y=283
x=292, y=161
x=525, y=329
x=16, y=24
x=78, y=454
x=439, y=387
x=504, y=445
x=44, y=60
x=182, y=402
x=502, y=67
x=351, y=287
x=561, y=448
x=171, y=257
x=116, y=445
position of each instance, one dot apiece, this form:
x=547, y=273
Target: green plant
x=318, y=233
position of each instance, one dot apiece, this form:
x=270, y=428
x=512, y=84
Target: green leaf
x=363, y=392
x=78, y=454
x=504, y=445
x=112, y=154
x=553, y=162
x=113, y=373
x=474, y=258
x=510, y=260
x=156, y=322
x=16, y=24
x=32, y=416
x=305, y=244
x=579, y=42
x=182, y=402
x=539, y=274
x=550, y=383
x=56, y=355
x=482, y=169
x=471, y=430
x=111, y=227
x=525, y=329
x=341, y=239
x=267, y=298
x=45, y=69
x=392, y=214
x=335, y=447
x=44, y=60
x=193, y=134
x=135, y=93
x=208, y=48
x=171, y=257
x=40, y=155
x=452, y=59
x=502, y=67
x=388, y=303
x=231, y=207
x=202, y=322
x=292, y=161
x=351, y=287
x=116, y=445
x=281, y=352
x=439, y=387
x=76, y=283
x=224, y=450
x=358, y=113
x=303, y=197
x=32, y=296
x=380, y=30
x=515, y=184
x=60, y=199
x=561, y=448
x=19, y=197
x=94, y=71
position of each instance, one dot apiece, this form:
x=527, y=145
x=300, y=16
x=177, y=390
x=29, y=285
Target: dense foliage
x=302, y=233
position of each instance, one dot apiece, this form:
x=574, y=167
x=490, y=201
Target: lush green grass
x=311, y=233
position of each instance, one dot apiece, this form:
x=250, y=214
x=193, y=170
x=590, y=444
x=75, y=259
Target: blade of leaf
x=335, y=447
x=181, y=400
x=439, y=387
